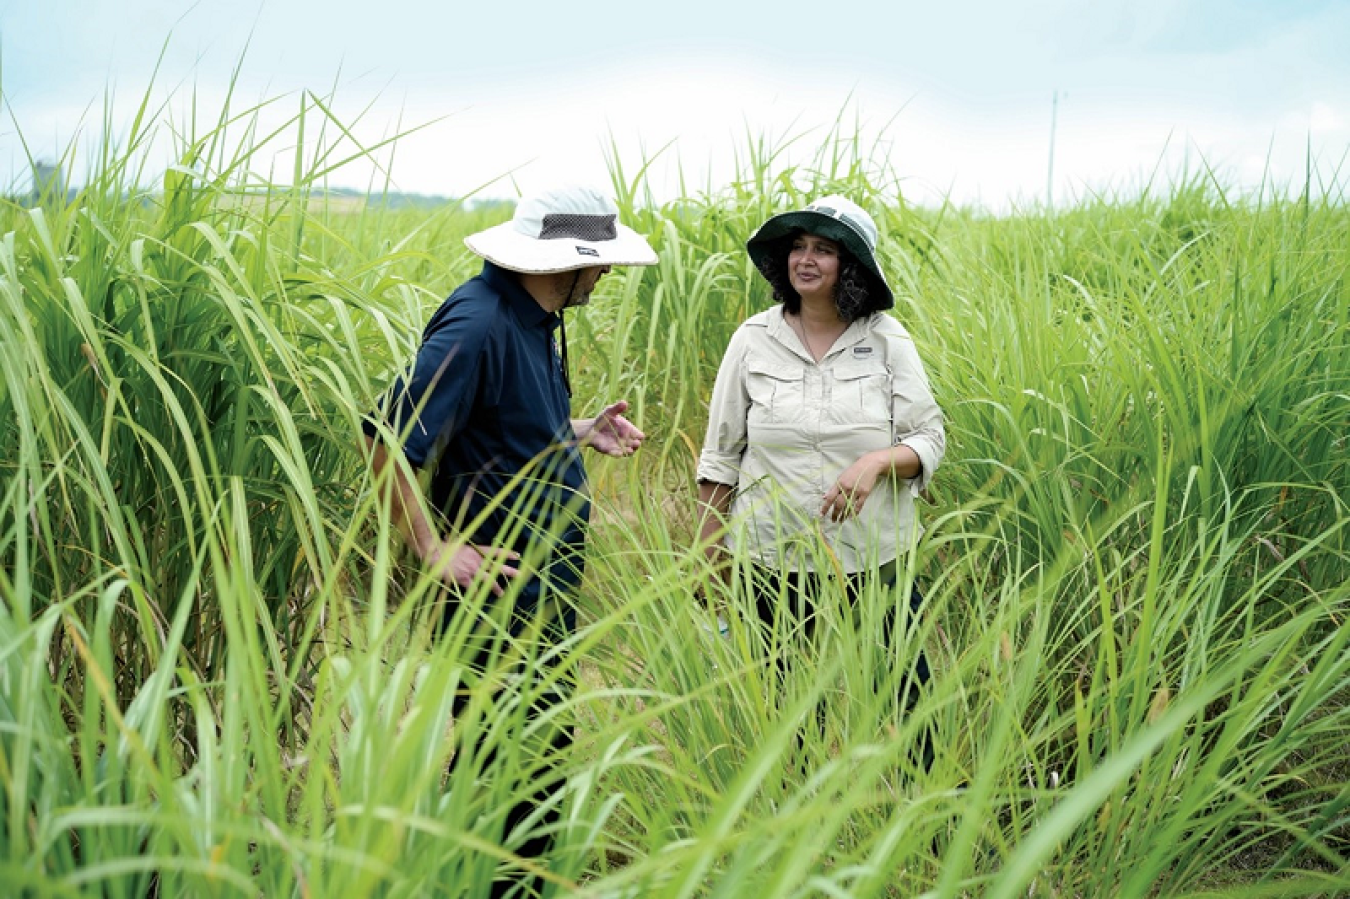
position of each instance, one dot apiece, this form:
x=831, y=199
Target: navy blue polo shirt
x=486, y=409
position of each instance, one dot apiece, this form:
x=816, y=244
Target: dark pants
x=538, y=846
x=786, y=602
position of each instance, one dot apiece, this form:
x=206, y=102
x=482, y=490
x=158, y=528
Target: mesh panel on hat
x=578, y=227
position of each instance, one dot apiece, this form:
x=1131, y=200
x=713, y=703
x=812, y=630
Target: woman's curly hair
x=853, y=293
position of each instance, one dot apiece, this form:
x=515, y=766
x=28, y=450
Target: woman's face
x=813, y=266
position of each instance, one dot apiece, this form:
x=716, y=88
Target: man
x=487, y=410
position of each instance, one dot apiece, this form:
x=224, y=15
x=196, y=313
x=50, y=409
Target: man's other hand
x=460, y=564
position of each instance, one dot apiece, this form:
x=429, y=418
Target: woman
x=822, y=427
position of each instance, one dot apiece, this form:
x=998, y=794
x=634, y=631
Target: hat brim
x=506, y=247
x=761, y=243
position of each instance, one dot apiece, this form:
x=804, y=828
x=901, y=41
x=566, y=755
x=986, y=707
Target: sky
x=966, y=101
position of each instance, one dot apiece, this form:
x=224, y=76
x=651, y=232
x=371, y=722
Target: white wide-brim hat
x=562, y=230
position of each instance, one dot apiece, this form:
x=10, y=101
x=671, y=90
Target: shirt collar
x=858, y=329
x=527, y=310
x=781, y=331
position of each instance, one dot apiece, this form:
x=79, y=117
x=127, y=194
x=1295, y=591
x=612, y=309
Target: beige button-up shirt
x=782, y=428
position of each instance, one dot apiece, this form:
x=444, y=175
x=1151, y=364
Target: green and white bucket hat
x=834, y=217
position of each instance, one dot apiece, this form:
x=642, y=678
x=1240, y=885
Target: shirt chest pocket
x=776, y=391
x=860, y=392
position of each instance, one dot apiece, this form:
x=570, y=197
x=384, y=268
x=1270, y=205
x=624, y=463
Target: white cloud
x=1326, y=119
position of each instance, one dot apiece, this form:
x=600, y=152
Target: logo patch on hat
x=862, y=351
x=587, y=251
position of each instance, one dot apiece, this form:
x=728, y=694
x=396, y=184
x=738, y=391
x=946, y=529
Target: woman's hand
x=850, y=490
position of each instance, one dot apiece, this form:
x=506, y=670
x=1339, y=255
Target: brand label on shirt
x=862, y=350
x=587, y=251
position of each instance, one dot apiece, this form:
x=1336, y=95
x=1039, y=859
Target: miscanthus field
x=217, y=676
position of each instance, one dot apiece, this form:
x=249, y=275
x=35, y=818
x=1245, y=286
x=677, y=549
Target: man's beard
x=575, y=297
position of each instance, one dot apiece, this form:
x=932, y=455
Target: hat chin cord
x=570, y=300
x=562, y=331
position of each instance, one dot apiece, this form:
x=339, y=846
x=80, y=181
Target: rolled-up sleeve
x=724, y=442
x=916, y=417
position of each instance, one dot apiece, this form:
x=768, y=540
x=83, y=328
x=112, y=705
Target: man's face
x=579, y=285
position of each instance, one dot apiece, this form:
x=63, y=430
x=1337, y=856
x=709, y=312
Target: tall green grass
x=217, y=672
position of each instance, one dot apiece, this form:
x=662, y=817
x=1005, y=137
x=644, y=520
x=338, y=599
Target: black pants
x=549, y=781
x=788, y=602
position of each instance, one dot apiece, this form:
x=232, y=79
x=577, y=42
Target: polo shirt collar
x=527, y=310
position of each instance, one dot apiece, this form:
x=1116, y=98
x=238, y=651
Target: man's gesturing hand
x=610, y=433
